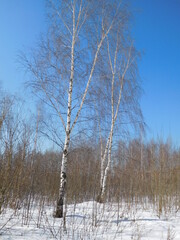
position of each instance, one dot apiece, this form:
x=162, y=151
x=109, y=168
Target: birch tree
x=122, y=78
x=62, y=68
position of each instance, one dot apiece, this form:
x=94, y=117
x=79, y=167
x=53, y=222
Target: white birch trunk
x=62, y=188
x=69, y=128
x=104, y=170
x=107, y=152
x=104, y=183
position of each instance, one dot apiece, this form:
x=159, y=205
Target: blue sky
x=156, y=31
x=21, y=23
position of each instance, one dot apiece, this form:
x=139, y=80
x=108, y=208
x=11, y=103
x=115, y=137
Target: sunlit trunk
x=63, y=174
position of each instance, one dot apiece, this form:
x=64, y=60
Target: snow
x=90, y=220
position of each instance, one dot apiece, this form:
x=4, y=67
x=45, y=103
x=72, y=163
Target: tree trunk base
x=100, y=199
x=58, y=214
x=59, y=209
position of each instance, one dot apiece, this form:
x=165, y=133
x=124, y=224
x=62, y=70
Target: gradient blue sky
x=156, y=31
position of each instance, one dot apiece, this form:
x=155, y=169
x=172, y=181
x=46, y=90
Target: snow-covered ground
x=90, y=220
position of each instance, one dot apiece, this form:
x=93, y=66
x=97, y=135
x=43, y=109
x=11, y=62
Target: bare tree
x=63, y=66
x=120, y=81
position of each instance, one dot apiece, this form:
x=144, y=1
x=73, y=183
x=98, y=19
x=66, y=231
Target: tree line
x=139, y=171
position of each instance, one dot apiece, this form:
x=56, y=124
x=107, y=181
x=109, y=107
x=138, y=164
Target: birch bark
x=62, y=188
x=105, y=167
